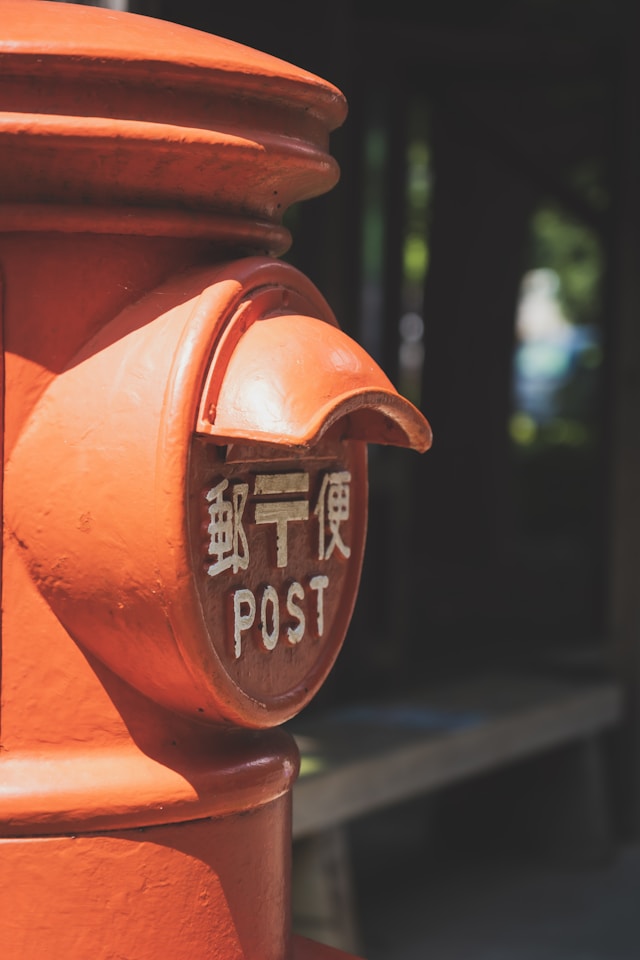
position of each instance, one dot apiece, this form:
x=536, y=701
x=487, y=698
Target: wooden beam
x=357, y=760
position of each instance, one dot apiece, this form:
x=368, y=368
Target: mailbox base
x=304, y=949
x=201, y=889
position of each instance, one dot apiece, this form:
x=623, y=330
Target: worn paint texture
x=184, y=502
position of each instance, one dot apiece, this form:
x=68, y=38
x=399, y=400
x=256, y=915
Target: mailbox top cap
x=120, y=123
x=290, y=378
x=72, y=39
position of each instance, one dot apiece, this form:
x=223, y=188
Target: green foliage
x=419, y=188
x=575, y=253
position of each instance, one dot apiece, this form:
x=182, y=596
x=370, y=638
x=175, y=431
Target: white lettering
x=267, y=483
x=228, y=546
x=245, y=603
x=281, y=513
x=320, y=584
x=270, y=637
x=242, y=621
x=295, y=592
x=332, y=510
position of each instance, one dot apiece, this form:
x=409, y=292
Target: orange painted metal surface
x=185, y=432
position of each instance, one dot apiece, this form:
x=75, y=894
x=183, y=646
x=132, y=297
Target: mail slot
x=185, y=483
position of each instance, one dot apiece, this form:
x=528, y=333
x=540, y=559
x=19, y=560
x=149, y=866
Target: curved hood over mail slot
x=290, y=377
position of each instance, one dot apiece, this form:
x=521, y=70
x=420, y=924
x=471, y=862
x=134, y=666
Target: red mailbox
x=184, y=484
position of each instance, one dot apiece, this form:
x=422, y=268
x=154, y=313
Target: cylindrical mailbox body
x=184, y=500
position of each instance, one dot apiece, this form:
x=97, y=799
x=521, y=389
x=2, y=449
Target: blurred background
x=483, y=244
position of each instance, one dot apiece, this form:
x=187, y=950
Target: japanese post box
x=185, y=431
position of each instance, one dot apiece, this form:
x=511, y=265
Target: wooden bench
x=362, y=758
